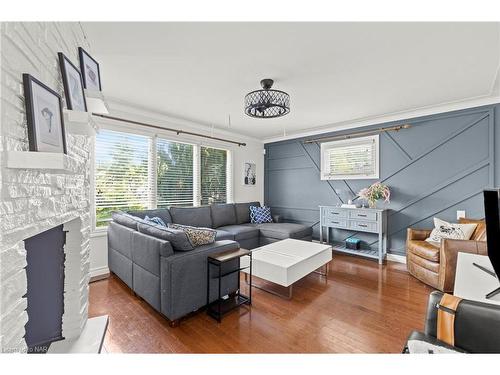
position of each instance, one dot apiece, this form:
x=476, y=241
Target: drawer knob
x=362, y=225
x=361, y=215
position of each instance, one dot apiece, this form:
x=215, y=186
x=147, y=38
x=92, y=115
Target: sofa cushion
x=192, y=216
x=281, y=231
x=177, y=237
x=243, y=211
x=424, y=250
x=260, y=215
x=241, y=232
x=223, y=235
x=127, y=220
x=223, y=214
x=198, y=236
x=162, y=213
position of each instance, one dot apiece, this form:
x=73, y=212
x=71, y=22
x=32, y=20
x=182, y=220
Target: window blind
x=174, y=180
x=213, y=173
x=354, y=158
x=121, y=173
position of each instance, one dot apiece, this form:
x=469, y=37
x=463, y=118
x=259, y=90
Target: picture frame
x=90, y=71
x=73, y=84
x=44, y=114
x=249, y=174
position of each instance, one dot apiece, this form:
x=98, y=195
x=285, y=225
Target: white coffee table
x=287, y=261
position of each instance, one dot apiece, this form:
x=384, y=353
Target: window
x=174, y=179
x=350, y=159
x=121, y=173
x=135, y=171
x=213, y=175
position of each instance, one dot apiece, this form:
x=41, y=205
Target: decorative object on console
x=155, y=220
x=73, y=84
x=267, y=103
x=259, y=215
x=443, y=229
x=44, y=115
x=249, y=177
x=90, y=71
x=375, y=192
x=352, y=243
x=197, y=236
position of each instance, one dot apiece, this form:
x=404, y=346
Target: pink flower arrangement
x=375, y=192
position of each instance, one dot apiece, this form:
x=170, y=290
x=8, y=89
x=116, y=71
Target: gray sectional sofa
x=174, y=282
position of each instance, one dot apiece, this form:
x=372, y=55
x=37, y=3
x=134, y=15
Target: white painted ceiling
x=334, y=72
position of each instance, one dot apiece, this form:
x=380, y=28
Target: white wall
x=252, y=152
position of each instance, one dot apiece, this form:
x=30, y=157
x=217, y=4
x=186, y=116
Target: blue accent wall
x=438, y=166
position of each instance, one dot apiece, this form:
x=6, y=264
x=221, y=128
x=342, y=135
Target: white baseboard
x=396, y=258
x=99, y=273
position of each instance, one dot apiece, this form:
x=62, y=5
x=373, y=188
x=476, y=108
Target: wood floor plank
x=361, y=307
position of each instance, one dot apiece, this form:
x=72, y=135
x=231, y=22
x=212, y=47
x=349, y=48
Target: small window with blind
x=213, y=173
x=356, y=158
x=174, y=181
x=121, y=173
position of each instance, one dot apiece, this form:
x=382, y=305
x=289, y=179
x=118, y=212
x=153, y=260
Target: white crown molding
x=397, y=116
x=118, y=106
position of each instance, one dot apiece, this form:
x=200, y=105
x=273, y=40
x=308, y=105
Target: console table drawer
x=363, y=215
x=364, y=226
x=336, y=223
x=334, y=213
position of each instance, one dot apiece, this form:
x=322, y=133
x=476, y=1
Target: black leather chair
x=477, y=326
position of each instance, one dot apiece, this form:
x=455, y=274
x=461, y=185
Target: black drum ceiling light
x=267, y=103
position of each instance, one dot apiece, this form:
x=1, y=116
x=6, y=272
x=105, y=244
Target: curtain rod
x=178, y=131
x=358, y=134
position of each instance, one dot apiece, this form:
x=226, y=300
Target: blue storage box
x=353, y=243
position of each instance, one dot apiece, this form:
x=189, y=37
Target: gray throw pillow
x=127, y=220
x=198, y=236
x=178, y=238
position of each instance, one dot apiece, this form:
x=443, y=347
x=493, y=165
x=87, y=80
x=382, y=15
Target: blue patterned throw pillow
x=155, y=220
x=259, y=215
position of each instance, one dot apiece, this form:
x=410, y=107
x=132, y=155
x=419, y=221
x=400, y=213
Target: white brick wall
x=32, y=201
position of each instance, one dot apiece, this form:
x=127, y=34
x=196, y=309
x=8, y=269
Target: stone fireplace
x=40, y=190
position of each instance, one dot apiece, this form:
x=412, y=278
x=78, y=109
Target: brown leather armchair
x=436, y=265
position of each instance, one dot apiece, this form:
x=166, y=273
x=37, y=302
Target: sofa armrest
x=448, y=255
x=184, y=279
x=417, y=234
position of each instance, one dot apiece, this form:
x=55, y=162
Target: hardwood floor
x=361, y=308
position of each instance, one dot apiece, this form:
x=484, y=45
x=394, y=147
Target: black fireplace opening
x=45, y=295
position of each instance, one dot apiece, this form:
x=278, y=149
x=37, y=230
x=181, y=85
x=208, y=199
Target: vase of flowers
x=374, y=193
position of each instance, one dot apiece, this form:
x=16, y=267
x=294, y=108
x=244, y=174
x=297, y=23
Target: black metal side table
x=221, y=306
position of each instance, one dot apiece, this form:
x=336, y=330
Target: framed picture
x=249, y=174
x=73, y=84
x=44, y=115
x=90, y=71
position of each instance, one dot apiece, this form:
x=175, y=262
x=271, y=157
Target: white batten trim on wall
x=398, y=116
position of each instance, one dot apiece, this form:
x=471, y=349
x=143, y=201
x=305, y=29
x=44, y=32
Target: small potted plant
x=374, y=193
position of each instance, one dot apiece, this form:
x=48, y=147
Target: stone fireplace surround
x=38, y=200
x=39, y=191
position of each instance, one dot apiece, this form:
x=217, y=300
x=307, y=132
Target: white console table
x=370, y=220
x=472, y=283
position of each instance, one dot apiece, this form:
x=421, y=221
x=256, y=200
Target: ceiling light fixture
x=267, y=103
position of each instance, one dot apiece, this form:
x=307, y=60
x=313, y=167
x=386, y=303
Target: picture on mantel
x=249, y=174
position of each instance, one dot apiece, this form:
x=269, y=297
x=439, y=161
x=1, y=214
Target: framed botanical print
x=44, y=115
x=73, y=84
x=90, y=71
x=249, y=174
